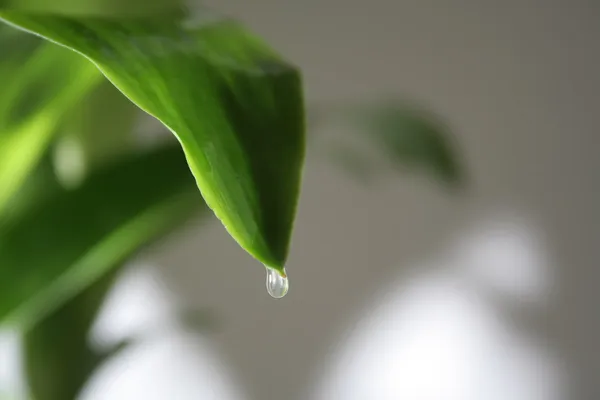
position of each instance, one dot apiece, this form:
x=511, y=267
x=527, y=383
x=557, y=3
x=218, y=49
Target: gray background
x=518, y=82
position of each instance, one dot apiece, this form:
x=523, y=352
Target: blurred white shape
x=11, y=379
x=177, y=366
x=69, y=161
x=439, y=337
x=138, y=303
x=507, y=256
x=164, y=361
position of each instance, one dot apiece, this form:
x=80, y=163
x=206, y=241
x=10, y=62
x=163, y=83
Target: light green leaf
x=234, y=105
x=34, y=97
x=59, y=247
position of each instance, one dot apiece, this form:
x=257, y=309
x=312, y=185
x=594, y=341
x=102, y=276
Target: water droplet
x=277, y=283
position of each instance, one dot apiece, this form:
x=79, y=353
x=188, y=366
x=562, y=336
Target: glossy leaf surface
x=234, y=105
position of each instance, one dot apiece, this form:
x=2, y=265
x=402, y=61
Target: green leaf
x=414, y=138
x=408, y=136
x=99, y=129
x=104, y=123
x=16, y=47
x=35, y=95
x=234, y=105
x=59, y=247
x=57, y=353
x=94, y=7
x=39, y=186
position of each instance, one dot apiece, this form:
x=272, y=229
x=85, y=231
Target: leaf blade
x=235, y=107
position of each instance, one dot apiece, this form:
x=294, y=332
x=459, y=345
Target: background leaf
x=94, y=7
x=33, y=99
x=58, y=357
x=233, y=104
x=94, y=132
x=62, y=245
x=412, y=137
x=407, y=136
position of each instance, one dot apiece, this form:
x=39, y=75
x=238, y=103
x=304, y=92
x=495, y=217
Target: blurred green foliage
x=78, y=198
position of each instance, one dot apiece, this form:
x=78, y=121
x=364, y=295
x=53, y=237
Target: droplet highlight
x=277, y=283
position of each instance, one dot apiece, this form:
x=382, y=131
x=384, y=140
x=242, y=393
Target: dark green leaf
x=16, y=47
x=58, y=355
x=406, y=135
x=235, y=107
x=414, y=138
x=95, y=7
x=62, y=245
x=39, y=185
